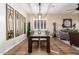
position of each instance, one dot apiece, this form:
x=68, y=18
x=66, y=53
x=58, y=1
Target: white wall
x=2, y=23
x=5, y=45
x=58, y=18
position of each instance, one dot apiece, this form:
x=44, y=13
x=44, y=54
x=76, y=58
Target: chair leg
x=71, y=44
x=37, y=44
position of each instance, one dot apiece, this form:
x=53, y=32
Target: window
x=39, y=24
x=44, y=24
x=35, y=24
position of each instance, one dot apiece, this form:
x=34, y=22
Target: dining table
x=39, y=37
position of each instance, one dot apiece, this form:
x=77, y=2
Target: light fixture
x=39, y=14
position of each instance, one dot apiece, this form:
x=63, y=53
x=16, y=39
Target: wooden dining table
x=39, y=36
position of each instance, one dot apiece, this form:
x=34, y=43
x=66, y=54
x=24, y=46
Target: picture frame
x=67, y=23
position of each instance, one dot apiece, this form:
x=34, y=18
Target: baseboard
x=11, y=47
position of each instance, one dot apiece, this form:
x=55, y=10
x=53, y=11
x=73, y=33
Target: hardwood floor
x=57, y=48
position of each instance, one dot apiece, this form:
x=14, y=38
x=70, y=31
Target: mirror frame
x=10, y=10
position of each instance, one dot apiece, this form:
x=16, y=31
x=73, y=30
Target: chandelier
x=39, y=14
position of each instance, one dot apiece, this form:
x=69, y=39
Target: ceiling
x=48, y=8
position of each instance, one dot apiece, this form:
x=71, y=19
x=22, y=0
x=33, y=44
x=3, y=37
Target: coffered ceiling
x=49, y=8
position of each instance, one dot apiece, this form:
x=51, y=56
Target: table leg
x=30, y=45
x=48, y=45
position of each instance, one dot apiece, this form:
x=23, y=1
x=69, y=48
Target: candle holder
x=39, y=32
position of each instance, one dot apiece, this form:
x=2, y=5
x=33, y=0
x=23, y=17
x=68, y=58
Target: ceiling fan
x=75, y=9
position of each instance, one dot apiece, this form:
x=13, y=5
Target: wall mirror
x=22, y=24
x=9, y=21
x=67, y=23
x=17, y=23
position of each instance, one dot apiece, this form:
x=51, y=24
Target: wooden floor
x=57, y=48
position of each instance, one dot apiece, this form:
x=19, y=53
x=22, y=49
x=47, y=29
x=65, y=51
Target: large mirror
x=24, y=25
x=9, y=21
x=17, y=23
